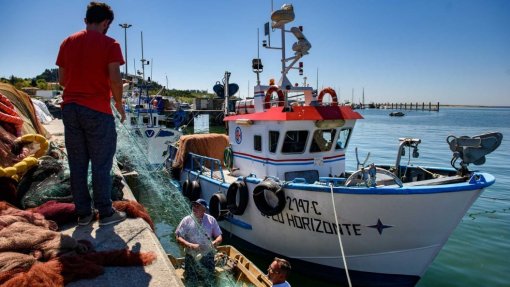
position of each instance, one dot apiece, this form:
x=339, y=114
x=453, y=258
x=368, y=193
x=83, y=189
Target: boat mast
x=225, y=89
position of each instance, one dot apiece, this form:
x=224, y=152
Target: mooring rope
x=340, y=238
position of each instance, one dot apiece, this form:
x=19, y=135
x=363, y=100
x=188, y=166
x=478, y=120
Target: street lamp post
x=125, y=26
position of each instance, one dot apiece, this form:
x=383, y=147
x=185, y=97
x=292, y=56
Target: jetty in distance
x=406, y=106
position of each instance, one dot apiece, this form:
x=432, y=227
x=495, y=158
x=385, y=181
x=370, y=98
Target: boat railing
x=336, y=181
x=206, y=165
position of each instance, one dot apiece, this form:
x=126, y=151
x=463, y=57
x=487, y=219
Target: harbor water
x=478, y=251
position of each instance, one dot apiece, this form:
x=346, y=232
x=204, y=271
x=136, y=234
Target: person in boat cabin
x=278, y=271
x=89, y=71
x=199, y=233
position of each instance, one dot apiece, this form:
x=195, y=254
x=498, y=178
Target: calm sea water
x=478, y=252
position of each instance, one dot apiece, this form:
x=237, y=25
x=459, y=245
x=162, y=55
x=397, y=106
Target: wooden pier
x=409, y=106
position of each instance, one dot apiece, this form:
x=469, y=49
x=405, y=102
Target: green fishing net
x=154, y=188
x=49, y=180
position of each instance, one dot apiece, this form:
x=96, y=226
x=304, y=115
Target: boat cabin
x=306, y=139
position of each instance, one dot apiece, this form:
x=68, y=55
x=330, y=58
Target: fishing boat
x=146, y=121
x=277, y=183
x=145, y=118
x=231, y=262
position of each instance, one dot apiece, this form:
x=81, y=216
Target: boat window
x=257, y=143
x=310, y=176
x=343, y=138
x=273, y=140
x=294, y=142
x=322, y=140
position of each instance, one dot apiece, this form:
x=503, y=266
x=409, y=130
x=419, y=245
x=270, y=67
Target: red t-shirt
x=85, y=56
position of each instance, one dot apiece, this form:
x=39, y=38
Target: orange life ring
x=331, y=92
x=269, y=94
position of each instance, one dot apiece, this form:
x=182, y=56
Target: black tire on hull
x=261, y=200
x=237, y=190
x=191, y=189
x=218, y=206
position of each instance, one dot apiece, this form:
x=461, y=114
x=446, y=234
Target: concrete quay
x=134, y=234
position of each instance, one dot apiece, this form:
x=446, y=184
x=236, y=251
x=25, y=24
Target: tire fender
x=237, y=191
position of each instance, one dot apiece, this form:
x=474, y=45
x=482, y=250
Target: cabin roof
x=301, y=113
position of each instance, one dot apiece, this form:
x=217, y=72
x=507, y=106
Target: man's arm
x=116, y=85
x=61, y=76
x=186, y=243
x=217, y=241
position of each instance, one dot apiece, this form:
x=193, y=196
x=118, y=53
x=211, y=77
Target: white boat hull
x=397, y=234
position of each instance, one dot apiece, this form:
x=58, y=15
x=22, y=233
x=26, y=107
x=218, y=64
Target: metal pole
x=125, y=26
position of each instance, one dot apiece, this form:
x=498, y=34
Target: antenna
x=258, y=57
x=317, y=85
x=134, y=66
x=143, y=60
x=363, y=98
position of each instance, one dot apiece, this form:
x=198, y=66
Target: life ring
x=269, y=94
x=41, y=140
x=228, y=158
x=265, y=194
x=191, y=189
x=237, y=197
x=331, y=92
x=218, y=206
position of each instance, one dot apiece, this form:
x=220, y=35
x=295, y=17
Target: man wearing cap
x=199, y=233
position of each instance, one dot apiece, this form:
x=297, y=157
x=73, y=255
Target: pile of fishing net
x=24, y=108
x=49, y=258
x=50, y=180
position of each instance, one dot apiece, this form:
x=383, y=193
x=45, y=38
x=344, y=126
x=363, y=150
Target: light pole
x=125, y=26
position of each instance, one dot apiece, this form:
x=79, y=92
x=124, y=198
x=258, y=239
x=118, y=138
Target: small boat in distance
x=397, y=114
x=277, y=183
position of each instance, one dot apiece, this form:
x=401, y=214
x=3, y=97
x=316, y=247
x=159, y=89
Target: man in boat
x=278, y=272
x=89, y=71
x=199, y=233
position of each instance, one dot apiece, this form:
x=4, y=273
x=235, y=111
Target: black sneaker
x=86, y=220
x=117, y=216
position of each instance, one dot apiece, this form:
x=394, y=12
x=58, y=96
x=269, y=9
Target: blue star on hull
x=380, y=226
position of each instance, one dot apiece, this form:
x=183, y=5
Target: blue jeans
x=90, y=136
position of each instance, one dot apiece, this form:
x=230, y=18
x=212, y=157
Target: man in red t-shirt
x=89, y=69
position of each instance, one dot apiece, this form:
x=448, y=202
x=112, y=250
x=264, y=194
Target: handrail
x=204, y=159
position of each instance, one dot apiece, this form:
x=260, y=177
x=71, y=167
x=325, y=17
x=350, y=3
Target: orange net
x=210, y=145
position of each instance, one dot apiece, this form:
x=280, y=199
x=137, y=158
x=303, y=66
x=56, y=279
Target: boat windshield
x=343, y=139
x=294, y=142
x=322, y=140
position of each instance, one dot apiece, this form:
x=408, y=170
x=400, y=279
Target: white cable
x=340, y=238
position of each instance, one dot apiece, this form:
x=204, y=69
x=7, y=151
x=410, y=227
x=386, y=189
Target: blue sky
x=452, y=52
